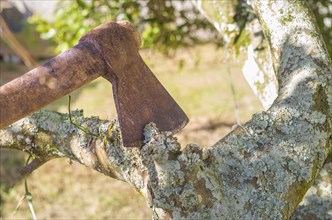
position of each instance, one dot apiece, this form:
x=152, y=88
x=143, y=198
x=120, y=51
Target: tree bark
x=261, y=170
x=260, y=75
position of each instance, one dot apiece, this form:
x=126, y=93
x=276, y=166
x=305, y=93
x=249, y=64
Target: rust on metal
x=110, y=50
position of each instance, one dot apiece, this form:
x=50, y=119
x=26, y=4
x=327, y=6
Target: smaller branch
x=35, y=164
x=48, y=135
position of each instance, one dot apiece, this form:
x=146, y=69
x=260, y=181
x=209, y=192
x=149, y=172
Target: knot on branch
x=175, y=178
x=161, y=147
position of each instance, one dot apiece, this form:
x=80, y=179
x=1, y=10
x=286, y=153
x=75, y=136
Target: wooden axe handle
x=54, y=79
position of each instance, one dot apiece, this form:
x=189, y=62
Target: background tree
x=166, y=25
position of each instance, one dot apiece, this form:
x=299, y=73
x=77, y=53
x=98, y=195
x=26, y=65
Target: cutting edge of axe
x=110, y=50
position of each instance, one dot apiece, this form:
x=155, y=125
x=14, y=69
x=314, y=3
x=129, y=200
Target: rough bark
x=261, y=170
x=317, y=203
x=260, y=75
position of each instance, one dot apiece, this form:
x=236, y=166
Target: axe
x=110, y=50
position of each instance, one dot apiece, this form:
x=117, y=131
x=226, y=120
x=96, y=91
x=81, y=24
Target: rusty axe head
x=139, y=97
x=110, y=50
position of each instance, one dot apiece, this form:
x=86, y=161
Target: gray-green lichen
x=245, y=175
x=252, y=173
x=317, y=202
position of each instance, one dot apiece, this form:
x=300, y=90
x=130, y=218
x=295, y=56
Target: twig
x=85, y=130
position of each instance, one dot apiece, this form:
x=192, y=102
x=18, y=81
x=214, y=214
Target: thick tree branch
x=258, y=68
x=260, y=170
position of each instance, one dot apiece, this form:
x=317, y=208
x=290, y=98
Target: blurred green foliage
x=164, y=24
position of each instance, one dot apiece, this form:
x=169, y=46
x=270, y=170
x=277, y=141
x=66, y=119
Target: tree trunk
x=260, y=75
x=261, y=170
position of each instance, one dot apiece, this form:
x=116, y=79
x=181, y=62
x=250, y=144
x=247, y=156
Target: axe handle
x=54, y=79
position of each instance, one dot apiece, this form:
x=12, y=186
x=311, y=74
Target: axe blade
x=139, y=96
x=140, y=99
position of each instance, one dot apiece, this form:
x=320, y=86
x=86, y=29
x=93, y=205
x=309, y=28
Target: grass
x=64, y=191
